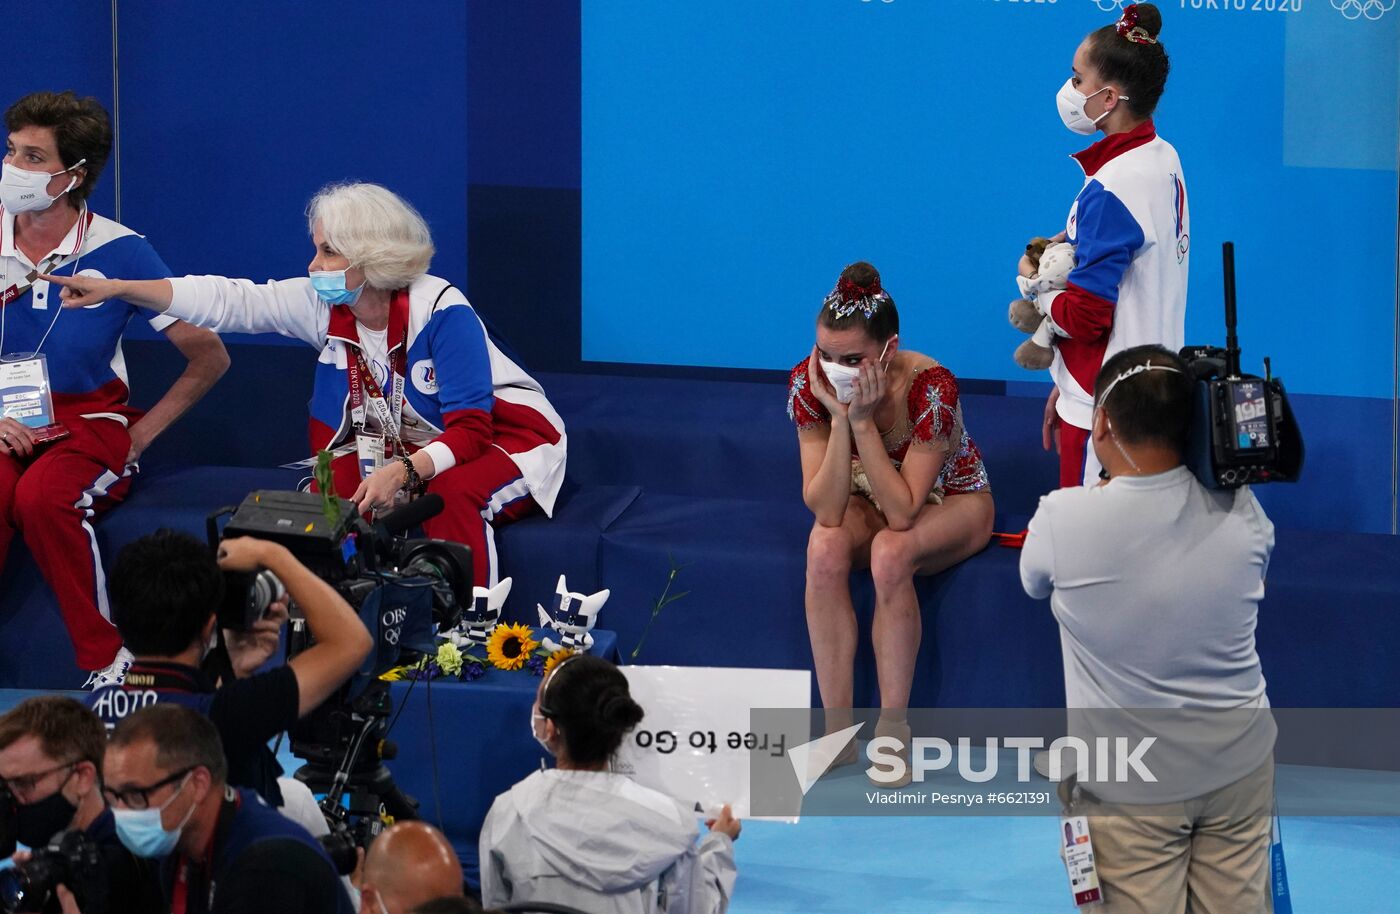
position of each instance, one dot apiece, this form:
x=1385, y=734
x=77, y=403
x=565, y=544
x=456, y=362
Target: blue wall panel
x=523, y=92
x=76, y=55
x=234, y=115
x=523, y=204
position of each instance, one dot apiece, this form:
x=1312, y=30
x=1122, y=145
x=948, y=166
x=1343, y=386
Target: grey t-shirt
x=1155, y=582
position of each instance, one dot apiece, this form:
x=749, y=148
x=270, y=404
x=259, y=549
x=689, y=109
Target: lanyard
x=53, y=260
x=364, y=387
x=193, y=896
x=15, y=291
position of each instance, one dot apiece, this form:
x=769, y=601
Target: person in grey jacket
x=582, y=835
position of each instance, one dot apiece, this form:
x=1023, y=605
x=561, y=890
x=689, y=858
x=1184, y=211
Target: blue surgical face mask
x=330, y=286
x=141, y=831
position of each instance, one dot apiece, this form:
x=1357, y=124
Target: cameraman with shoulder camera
x=51, y=750
x=1155, y=582
x=165, y=589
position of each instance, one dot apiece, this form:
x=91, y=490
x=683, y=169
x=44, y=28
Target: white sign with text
x=695, y=742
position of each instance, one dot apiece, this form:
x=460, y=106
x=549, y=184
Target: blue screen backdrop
x=737, y=154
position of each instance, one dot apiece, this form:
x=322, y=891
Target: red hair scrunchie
x=1128, y=27
x=853, y=291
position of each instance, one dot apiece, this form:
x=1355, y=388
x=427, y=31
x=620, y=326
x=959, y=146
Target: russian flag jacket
x=462, y=393
x=1130, y=226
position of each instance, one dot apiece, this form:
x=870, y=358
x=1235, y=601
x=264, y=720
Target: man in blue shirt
x=220, y=849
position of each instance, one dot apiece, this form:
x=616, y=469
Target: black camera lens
x=9, y=824
x=340, y=846
x=11, y=890
x=71, y=860
x=247, y=596
x=27, y=888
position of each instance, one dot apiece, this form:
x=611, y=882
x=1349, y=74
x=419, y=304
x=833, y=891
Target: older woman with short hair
x=410, y=389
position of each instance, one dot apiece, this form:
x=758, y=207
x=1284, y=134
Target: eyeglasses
x=139, y=797
x=24, y=784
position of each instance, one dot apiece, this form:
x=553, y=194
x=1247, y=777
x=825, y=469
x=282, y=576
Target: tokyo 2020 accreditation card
x=1078, y=852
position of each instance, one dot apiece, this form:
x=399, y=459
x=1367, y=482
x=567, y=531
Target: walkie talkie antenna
x=1232, y=342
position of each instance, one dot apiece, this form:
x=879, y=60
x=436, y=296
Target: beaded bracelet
x=413, y=484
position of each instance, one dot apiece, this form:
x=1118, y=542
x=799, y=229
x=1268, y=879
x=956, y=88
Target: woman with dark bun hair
x=581, y=835
x=1130, y=226
x=895, y=482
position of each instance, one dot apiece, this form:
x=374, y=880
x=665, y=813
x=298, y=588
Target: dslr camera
x=72, y=860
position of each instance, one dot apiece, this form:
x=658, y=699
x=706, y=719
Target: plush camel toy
x=1051, y=263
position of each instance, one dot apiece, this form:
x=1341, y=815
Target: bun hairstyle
x=859, y=300
x=1128, y=55
x=588, y=700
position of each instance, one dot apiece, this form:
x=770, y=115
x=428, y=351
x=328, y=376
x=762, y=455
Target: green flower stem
x=661, y=603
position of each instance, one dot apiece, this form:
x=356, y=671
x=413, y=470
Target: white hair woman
x=410, y=390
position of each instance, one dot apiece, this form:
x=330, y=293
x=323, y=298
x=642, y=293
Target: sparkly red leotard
x=934, y=414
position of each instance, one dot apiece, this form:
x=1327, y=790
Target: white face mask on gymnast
x=1070, y=101
x=843, y=377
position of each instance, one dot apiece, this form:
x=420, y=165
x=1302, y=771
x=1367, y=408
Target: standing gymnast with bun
x=1129, y=223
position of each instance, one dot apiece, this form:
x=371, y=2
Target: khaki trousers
x=1207, y=855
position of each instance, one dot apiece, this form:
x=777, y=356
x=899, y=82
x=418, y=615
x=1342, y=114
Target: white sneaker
x=114, y=674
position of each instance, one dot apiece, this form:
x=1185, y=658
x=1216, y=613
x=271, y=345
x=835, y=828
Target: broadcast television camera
x=1242, y=427
x=404, y=591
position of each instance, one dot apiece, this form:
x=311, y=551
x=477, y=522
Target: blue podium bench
x=705, y=473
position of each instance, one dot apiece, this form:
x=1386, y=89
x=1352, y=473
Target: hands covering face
x=869, y=390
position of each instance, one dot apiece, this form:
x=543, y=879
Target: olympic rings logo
x=1371, y=9
x=1108, y=6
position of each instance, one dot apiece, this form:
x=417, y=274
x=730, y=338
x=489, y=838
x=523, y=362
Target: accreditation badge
x=371, y=450
x=1078, y=852
x=25, y=394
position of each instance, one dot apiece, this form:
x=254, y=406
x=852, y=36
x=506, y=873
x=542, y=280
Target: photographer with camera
x=165, y=588
x=221, y=850
x=51, y=750
x=1155, y=581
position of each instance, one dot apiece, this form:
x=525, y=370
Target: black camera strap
x=217, y=664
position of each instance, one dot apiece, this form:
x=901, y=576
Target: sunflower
x=510, y=646
x=557, y=658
